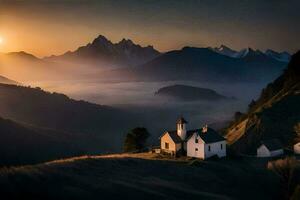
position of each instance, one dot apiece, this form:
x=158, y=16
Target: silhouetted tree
x=238, y=115
x=252, y=104
x=136, y=139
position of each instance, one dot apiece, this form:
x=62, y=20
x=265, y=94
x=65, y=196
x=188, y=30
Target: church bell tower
x=181, y=128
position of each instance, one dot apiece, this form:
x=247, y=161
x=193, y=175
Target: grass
x=140, y=176
x=288, y=169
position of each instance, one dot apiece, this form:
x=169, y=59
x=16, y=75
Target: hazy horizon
x=41, y=27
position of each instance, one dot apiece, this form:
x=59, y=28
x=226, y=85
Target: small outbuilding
x=297, y=148
x=270, y=148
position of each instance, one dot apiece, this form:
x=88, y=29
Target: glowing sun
x=1, y=40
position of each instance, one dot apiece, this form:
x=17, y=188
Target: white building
x=200, y=143
x=204, y=143
x=297, y=148
x=270, y=148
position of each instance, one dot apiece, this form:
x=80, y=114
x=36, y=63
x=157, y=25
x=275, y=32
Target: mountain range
x=280, y=56
x=126, y=61
x=201, y=64
x=103, y=52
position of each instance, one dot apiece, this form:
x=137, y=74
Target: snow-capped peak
x=224, y=50
x=280, y=56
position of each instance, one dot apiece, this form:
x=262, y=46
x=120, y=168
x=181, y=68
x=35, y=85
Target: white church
x=199, y=143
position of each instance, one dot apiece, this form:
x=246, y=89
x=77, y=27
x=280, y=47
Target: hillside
x=102, y=125
x=140, y=177
x=22, y=66
x=275, y=114
x=201, y=64
x=189, y=93
x=23, y=144
x=21, y=55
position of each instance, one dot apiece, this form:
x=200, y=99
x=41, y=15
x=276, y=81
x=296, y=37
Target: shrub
x=136, y=139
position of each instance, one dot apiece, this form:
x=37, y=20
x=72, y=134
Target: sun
x=1, y=40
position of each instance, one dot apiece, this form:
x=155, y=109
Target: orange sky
x=44, y=37
x=54, y=27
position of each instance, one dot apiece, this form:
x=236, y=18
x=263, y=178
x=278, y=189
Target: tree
x=238, y=115
x=136, y=139
x=251, y=105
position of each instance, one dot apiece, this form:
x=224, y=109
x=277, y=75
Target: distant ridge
x=5, y=80
x=20, y=55
x=201, y=64
x=280, y=56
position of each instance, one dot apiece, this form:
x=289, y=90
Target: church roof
x=174, y=136
x=181, y=120
x=273, y=144
x=211, y=136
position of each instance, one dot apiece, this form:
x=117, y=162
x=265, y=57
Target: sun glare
x=1, y=40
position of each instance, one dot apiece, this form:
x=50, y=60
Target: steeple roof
x=181, y=120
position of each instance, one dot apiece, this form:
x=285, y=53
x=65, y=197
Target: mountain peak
x=280, y=56
x=22, y=54
x=127, y=43
x=224, y=47
x=224, y=50
x=253, y=54
x=102, y=40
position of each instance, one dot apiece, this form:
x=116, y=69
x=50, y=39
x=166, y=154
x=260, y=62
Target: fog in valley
x=155, y=113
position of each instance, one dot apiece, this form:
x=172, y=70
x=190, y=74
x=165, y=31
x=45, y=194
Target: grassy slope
x=140, y=176
x=24, y=144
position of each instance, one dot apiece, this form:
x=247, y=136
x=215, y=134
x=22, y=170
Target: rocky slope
x=275, y=114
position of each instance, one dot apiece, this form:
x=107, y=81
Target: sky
x=47, y=27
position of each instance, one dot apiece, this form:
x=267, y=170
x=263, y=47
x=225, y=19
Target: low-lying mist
x=156, y=113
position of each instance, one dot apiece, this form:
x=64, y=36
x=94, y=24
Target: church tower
x=181, y=128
